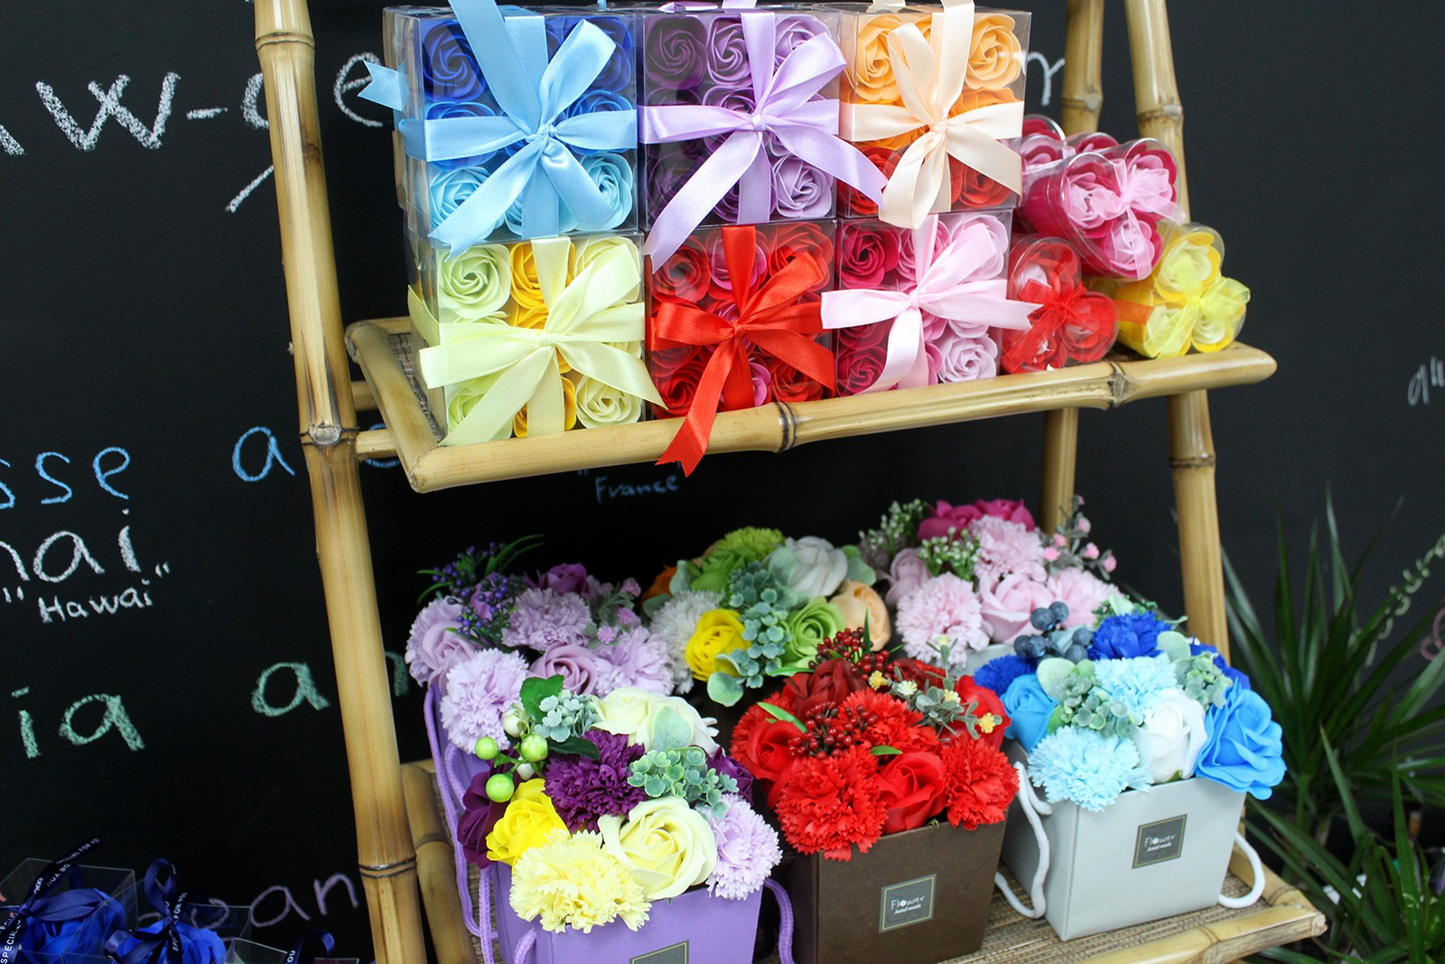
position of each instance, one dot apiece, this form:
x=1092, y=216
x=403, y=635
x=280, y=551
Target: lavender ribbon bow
x=785, y=108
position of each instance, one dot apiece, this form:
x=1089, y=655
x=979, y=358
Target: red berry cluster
x=849, y=645
x=831, y=730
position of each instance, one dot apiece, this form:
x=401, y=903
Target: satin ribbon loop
x=785, y=107
x=1185, y=302
x=586, y=319
x=1077, y=316
x=532, y=94
x=768, y=316
x=931, y=74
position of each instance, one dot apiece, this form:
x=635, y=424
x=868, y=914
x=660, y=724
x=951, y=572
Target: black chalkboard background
x=144, y=325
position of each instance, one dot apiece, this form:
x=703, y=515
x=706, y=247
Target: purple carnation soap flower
x=479, y=691
x=636, y=658
x=728, y=767
x=433, y=647
x=747, y=851
x=544, y=618
x=583, y=789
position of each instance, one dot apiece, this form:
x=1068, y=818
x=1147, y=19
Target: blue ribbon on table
x=169, y=940
x=305, y=952
x=40, y=907
x=534, y=95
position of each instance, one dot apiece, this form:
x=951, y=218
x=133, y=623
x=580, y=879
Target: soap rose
x=617, y=73
x=1008, y=604
x=613, y=177
x=908, y=571
x=668, y=168
x=718, y=631
x=634, y=713
x=598, y=102
x=794, y=30
x=819, y=567
x=449, y=189
x=859, y=366
x=526, y=289
x=792, y=385
x=1242, y=749
x=449, y=69
x=1029, y=709
x=871, y=71
x=784, y=242
x=667, y=845
x=442, y=110
x=763, y=744
x=722, y=281
x=854, y=202
x=911, y=788
x=995, y=58
x=599, y=404
x=530, y=818
x=578, y=666
x=1171, y=737
x=673, y=56
x=603, y=250
x=829, y=682
x=476, y=282
x=679, y=384
x=808, y=627
x=859, y=603
x=866, y=254
x=684, y=277
x=727, y=51
x=966, y=358
x=800, y=190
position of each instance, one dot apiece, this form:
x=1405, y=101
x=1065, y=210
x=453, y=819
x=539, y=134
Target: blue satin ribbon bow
x=532, y=94
x=170, y=940
x=40, y=908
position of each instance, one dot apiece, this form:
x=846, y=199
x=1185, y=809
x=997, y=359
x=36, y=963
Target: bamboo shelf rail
x=1208, y=936
x=379, y=347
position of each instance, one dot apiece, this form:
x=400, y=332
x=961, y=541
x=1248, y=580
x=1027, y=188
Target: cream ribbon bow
x=585, y=320
x=931, y=74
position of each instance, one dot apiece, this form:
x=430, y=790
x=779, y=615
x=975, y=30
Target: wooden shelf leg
x=1191, y=456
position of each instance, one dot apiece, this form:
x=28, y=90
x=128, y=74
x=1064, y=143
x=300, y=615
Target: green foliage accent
x=562, y=716
x=535, y=690
x=886, y=751
x=955, y=553
x=723, y=688
x=682, y=772
x=471, y=567
x=779, y=713
x=858, y=570
x=1335, y=679
x=897, y=530
x=670, y=731
x=578, y=746
x=756, y=543
x=1393, y=916
x=763, y=605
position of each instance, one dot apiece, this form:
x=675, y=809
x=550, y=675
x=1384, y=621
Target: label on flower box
x=1160, y=841
x=910, y=902
x=676, y=954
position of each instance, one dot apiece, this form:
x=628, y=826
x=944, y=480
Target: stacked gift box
x=673, y=211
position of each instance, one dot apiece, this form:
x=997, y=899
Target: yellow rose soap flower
x=529, y=821
x=718, y=631
x=574, y=882
x=667, y=845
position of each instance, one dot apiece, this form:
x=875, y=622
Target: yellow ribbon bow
x=1186, y=301
x=586, y=320
x=931, y=73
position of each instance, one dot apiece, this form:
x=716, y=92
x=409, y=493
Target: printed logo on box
x=910, y=902
x=676, y=954
x=1158, y=842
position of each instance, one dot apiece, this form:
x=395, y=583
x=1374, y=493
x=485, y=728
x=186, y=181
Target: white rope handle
x=1032, y=807
x=1255, y=867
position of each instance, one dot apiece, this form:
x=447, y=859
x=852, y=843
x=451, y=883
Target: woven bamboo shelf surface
x=1209, y=936
x=382, y=349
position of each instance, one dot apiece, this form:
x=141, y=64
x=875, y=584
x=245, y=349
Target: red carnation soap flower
x=832, y=804
x=893, y=723
x=981, y=782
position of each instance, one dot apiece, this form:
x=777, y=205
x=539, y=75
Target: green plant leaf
x=724, y=688
x=1052, y=673
x=886, y=751
x=576, y=745
x=778, y=713
x=670, y=731
x=535, y=690
x=1174, y=645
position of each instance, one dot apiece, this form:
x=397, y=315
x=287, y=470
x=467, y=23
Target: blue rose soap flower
x=1127, y=635
x=1242, y=747
x=1029, y=709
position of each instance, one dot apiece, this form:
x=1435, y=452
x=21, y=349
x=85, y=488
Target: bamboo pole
x=1082, y=100
x=436, y=866
x=328, y=428
x=1191, y=441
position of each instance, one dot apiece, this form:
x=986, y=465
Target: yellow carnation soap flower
x=718, y=631
x=529, y=821
x=573, y=882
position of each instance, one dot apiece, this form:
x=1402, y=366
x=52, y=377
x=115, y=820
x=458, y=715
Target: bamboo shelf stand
x=400, y=841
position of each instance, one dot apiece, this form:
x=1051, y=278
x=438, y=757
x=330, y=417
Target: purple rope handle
x=785, y=921
x=445, y=755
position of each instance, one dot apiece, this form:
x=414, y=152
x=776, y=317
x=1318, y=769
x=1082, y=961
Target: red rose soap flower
x=981, y=782
x=988, y=703
x=830, y=682
x=912, y=788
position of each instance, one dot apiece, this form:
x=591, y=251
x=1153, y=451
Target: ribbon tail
x=913, y=189
x=905, y=350
x=547, y=408
x=385, y=86
x=690, y=442
x=696, y=199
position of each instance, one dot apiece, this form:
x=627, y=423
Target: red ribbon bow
x=1073, y=323
x=769, y=317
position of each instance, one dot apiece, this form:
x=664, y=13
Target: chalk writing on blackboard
x=273, y=457
x=290, y=905
x=114, y=719
x=103, y=467
x=111, y=107
x=65, y=554
x=1432, y=645
x=1049, y=69
x=1429, y=375
x=305, y=691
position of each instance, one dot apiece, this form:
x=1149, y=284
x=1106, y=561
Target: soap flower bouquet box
x=601, y=811
x=887, y=780
x=64, y=910
x=973, y=573
x=1144, y=743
